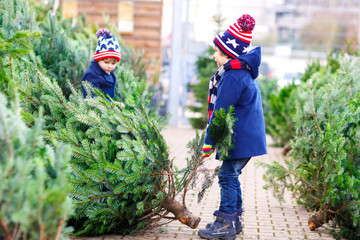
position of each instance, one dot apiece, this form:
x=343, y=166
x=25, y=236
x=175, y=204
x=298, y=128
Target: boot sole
x=215, y=238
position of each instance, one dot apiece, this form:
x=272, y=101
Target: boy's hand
x=207, y=150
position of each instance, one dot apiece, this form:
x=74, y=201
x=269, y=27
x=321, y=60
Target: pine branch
x=221, y=131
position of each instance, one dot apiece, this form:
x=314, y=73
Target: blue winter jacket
x=100, y=79
x=240, y=89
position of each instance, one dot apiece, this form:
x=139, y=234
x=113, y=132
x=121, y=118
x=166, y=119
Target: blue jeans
x=230, y=192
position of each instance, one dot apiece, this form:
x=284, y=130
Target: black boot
x=222, y=228
x=238, y=224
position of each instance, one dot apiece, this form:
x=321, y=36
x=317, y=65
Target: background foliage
x=206, y=67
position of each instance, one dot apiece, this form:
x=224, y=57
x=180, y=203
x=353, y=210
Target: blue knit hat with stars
x=107, y=47
x=236, y=40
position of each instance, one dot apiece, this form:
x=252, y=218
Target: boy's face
x=108, y=64
x=219, y=57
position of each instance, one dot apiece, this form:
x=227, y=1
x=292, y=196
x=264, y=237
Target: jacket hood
x=253, y=59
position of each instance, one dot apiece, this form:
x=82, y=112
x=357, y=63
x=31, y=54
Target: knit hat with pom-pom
x=236, y=40
x=107, y=47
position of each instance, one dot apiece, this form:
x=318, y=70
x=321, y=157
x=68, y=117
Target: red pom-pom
x=246, y=23
x=103, y=32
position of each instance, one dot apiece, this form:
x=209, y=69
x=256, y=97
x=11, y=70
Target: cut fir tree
x=122, y=178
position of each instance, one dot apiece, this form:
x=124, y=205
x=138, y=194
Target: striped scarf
x=214, y=81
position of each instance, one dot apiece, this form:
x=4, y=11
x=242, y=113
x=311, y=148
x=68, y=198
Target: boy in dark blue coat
x=235, y=84
x=101, y=71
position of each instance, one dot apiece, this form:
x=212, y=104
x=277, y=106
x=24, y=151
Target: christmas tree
x=34, y=202
x=122, y=177
x=323, y=171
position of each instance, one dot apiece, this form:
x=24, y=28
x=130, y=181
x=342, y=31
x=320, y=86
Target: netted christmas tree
x=323, y=172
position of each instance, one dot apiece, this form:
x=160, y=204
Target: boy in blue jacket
x=101, y=71
x=235, y=84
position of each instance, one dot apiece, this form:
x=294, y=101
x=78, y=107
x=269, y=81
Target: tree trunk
x=8, y=235
x=182, y=213
x=317, y=219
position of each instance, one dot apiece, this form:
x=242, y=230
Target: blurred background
x=179, y=33
x=291, y=33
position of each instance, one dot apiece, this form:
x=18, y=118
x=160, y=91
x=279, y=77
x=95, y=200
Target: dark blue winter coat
x=240, y=89
x=100, y=79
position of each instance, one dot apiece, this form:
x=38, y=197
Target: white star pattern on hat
x=247, y=49
x=222, y=34
x=233, y=42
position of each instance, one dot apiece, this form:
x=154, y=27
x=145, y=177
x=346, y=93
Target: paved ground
x=265, y=218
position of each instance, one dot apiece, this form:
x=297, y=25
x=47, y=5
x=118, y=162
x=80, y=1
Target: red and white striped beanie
x=236, y=40
x=107, y=47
